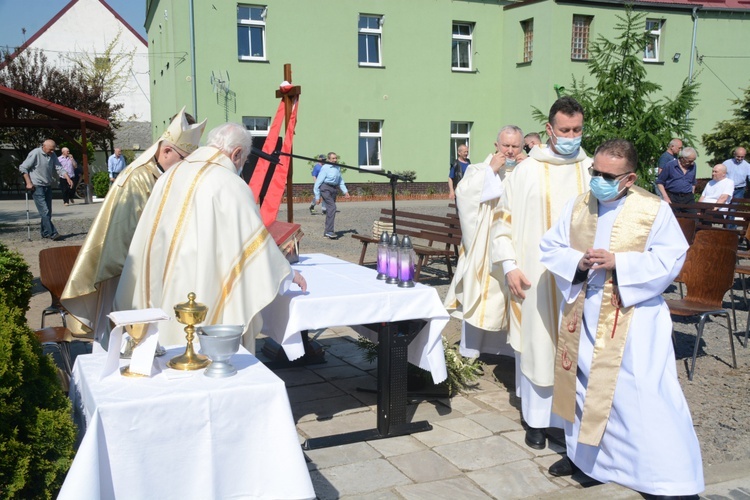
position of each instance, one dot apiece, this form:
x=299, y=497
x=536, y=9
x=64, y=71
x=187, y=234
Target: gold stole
x=629, y=234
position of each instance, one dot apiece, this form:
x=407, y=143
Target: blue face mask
x=566, y=146
x=605, y=190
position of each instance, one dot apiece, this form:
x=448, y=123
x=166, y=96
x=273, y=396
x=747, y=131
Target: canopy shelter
x=57, y=116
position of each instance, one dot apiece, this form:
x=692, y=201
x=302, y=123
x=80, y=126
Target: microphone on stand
x=274, y=159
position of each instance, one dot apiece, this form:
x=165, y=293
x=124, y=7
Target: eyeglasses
x=609, y=177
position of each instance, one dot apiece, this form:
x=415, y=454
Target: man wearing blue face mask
x=533, y=198
x=613, y=252
x=738, y=169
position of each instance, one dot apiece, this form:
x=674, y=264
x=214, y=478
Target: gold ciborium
x=137, y=332
x=189, y=313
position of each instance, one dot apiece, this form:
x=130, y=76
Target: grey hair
x=674, y=141
x=229, y=136
x=510, y=128
x=688, y=151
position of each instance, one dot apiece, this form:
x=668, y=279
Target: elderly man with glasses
x=676, y=182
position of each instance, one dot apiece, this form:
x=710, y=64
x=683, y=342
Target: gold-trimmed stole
x=629, y=234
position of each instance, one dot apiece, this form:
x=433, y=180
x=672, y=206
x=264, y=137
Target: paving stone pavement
x=475, y=449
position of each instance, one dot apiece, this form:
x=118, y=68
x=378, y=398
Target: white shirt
x=714, y=189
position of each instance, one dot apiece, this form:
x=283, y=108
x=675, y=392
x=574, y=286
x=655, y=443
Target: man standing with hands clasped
x=534, y=196
x=613, y=252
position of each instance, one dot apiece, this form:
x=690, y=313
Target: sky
x=33, y=14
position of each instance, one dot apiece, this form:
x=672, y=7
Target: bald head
x=48, y=146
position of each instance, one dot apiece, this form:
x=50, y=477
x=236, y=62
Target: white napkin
x=143, y=355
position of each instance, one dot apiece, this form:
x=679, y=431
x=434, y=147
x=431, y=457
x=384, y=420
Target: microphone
x=261, y=154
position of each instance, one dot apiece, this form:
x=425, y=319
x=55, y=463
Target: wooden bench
x=424, y=230
x=710, y=215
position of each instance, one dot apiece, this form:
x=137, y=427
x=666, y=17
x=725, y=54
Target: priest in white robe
x=613, y=252
x=477, y=294
x=90, y=290
x=533, y=198
x=201, y=232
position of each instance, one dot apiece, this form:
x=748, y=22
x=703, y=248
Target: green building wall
x=415, y=93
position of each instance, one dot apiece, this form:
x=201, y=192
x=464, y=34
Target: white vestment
x=477, y=293
x=649, y=443
x=533, y=197
x=201, y=232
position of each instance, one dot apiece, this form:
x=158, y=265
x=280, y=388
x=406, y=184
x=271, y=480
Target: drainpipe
x=192, y=59
x=692, y=45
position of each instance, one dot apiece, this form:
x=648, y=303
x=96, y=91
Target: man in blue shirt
x=457, y=170
x=327, y=184
x=315, y=171
x=676, y=182
x=673, y=150
x=738, y=169
x=115, y=164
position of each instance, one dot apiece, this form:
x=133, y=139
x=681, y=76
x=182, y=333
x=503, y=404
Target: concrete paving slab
x=459, y=487
x=399, y=445
x=424, y=466
x=439, y=435
x=376, y=495
x=465, y=426
x=499, y=401
x=340, y=455
x=519, y=437
x=514, y=480
x=463, y=404
x=345, y=423
x=344, y=350
x=317, y=409
x=496, y=422
x=360, y=362
x=483, y=386
x=482, y=453
x=430, y=411
x=293, y=377
x=338, y=372
x=357, y=478
x=350, y=386
x=311, y=392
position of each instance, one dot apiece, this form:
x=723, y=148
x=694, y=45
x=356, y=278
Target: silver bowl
x=219, y=343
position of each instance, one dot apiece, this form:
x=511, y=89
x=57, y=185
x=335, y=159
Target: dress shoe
x=563, y=467
x=312, y=210
x=56, y=236
x=536, y=438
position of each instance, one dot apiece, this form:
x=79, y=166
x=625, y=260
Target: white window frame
x=458, y=137
x=579, y=47
x=655, y=35
x=369, y=33
x=251, y=124
x=460, y=39
x=527, y=27
x=378, y=136
x=253, y=23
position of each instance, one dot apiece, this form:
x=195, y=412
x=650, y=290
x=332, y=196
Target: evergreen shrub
x=100, y=181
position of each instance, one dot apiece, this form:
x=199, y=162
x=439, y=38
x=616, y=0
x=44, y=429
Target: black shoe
x=56, y=236
x=312, y=210
x=536, y=438
x=563, y=467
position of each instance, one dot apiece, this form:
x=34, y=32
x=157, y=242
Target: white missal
x=142, y=359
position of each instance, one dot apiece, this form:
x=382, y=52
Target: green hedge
x=36, y=429
x=100, y=181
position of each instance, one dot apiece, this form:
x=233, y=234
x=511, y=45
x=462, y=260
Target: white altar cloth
x=340, y=293
x=185, y=438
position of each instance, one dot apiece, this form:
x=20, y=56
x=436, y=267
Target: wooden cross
x=288, y=98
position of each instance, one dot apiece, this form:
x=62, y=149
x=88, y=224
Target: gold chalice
x=190, y=313
x=137, y=332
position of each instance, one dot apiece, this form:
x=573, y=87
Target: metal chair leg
x=698, y=336
x=731, y=342
x=747, y=329
x=734, y=314
x=682, y=293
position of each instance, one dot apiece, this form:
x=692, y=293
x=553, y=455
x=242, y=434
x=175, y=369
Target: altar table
x=185, y=438
x=344, y=294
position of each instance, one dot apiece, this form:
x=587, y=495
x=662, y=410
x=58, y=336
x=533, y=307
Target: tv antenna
x=221, y=87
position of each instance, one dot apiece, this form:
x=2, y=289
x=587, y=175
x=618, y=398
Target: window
x=370, y=135
x=579, y=47
x=460, y=132
x=370, y=31
x=461, y=48
x=653, y=33
x=528, y=39
x=251, y=32
x=258, y=127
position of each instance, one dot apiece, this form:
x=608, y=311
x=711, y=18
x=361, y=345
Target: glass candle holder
x=393, y=244
x=383, y=256
x=406, y=263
